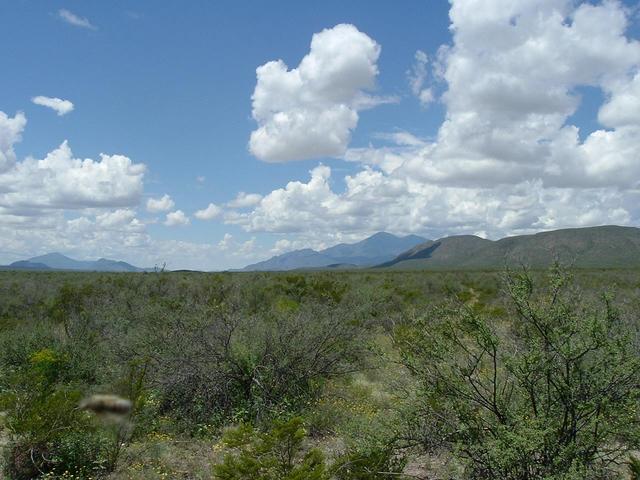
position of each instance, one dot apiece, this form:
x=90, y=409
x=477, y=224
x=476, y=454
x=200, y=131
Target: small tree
x=553, y=395
x=274, y=455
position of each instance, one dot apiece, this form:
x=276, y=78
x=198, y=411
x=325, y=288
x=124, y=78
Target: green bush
x=223, y=366
x=49, y=434
x=552, y=395
x=278, y=454
x=369, y=464
x=198, y=352
x=281, y=454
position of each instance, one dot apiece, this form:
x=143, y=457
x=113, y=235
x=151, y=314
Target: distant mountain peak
x=378, y=248
x=52, y=255
x=379, y=235
x=58, y=261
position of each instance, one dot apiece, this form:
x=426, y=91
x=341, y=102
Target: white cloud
x=61, y=107
x=177, y=218
x=403, y=138
x=247, y=248
x=281, y=246
x=426, y=96
x=418, y=72
x=244, y=200
x=623, y=107
x=163, y=204
x=75, y=20
x=310, y=111
x=120, y=220
x=226, y=242
x=297, y=207
x=10, y=133
x=62, y=203
x=114, y=234
x=506, y=159
x=374, y=201
x=385, y=158
x=60, y=181
x=212, y=211
x=511, y=74
x=417, y=76
x=284, y=245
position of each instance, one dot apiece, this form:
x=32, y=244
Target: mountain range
x=590, y=247
x=379, y=248
x=57, y=261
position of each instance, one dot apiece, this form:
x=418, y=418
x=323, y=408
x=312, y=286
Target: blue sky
x=504, y=141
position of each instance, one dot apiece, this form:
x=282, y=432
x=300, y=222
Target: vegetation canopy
x=551, y=394
x=350, y=375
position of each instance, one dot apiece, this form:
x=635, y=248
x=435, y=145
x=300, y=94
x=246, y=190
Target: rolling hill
x=592, y=247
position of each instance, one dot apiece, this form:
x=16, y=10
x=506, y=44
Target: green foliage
x=49, y=433
x=278, y=454
x=198, y=352
x=221, y=365
x=369, y=464
x=553, y=397
x=299, y=287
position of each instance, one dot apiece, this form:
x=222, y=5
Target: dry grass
x=162, y=457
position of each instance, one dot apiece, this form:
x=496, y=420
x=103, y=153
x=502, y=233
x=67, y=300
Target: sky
x=210, y=135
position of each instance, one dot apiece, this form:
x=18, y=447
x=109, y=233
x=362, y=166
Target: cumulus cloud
x=212, y=211
x=64, y=203
x=297, y=207
x=374, y=201
x=87, y=208
x=244, y=200
x=10, y=133
x=623, y=107
x=177, y=218
x=61, y=107
x=121, y=220
x=75, y=20
x=60, y=181
x=163, y=204
x=511, y=76
x=311, y=110
x=281, y=246
x=507, y=158
x=114, y=234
